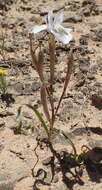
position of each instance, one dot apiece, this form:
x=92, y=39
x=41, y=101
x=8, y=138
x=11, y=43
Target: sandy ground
x=81, y=108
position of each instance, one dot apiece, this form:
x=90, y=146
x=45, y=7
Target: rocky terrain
x=80, y=114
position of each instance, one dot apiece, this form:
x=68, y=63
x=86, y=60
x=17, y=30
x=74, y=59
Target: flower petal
x=67, y=29
x=50, y=19
x=58, y=19
x=38, y=28
x=62, y=34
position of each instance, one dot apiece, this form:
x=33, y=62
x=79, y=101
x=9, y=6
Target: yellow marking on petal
x=42, y=25
x=60, y=31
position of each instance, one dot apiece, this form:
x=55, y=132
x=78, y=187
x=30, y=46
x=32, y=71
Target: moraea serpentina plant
x=54, y=30
x=53, y=26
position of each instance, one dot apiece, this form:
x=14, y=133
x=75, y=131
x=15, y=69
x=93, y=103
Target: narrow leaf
x=19, y=112
x=70, y=142
x=37, y=114
x=39, y=117
x=66, y=138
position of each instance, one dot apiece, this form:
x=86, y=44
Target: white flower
x=54, y=26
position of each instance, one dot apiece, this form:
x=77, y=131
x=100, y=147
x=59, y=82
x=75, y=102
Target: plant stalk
x=52, y=65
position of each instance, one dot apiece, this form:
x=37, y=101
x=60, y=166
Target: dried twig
x=68, y=75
